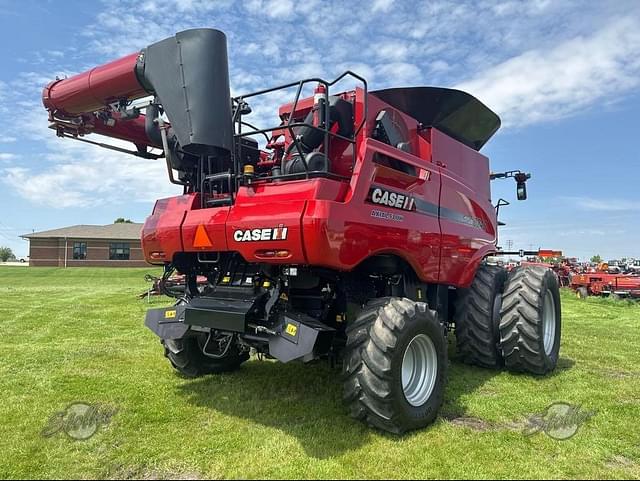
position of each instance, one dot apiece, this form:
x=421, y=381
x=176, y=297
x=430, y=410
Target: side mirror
x=521, y=185
x=521, y=191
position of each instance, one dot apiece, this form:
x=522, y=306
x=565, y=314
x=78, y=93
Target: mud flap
x=300, y=337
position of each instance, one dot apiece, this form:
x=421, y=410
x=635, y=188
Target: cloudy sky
x=563, y=75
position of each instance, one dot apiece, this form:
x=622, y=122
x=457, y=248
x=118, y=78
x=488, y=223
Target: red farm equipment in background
x=605, y=284
x=547, y=259
x=358, y=228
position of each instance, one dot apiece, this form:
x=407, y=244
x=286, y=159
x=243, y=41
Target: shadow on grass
x=464, y=379
x=305, y=401
x=564, y=364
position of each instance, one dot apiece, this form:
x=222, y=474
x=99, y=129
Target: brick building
x=112, y=245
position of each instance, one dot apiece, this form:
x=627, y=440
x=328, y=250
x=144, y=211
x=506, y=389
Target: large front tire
x=530, y=325
x=395, y=365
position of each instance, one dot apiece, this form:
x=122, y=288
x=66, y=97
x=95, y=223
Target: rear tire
x=395, y=365
x=530, y=325
x=477, y=318
x=187, y=357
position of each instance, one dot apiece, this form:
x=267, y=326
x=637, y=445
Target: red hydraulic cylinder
x=94, y=89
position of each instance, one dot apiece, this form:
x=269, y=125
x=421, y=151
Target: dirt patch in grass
x=137, y=472
x=482, y=425
x=476, y=424
x=488, y=392
x=619, y=374
x=618, y=461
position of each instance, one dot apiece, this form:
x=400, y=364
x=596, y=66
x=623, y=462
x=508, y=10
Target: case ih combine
x=361, y=231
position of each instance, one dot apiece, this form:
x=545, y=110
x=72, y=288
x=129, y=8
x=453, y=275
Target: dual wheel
x=396, y=354
x=510, y=320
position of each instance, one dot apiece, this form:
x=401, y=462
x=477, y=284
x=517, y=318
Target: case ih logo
x=381, y=196
x=255, y=235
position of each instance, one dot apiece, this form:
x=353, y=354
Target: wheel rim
x=419, y=370
x=549, y=322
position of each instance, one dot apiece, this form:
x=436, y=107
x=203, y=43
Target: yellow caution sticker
x=291, y=329
x=170, y=314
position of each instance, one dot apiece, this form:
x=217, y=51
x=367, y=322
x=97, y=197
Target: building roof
x=123, y=231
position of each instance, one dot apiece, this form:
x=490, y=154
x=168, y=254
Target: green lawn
x=77, y=335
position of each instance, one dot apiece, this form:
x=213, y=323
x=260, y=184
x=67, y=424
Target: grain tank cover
x=453, y=112
x=189, y=74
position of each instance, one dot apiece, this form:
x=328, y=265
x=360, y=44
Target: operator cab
x=315, y=136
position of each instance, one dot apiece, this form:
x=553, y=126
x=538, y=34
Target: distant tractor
x=358, y=229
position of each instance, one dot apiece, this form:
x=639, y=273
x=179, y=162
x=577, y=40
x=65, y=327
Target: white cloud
x=585, y=232
x=511, y=7
x=3, y=97
x=85, y=176
x=391, y=50
x=67, y=173
x=546, y=84
x=6, y=157
x=399, y=74
x=364, y=70
x=382, y=5
x=604, y=204
x=281, y=9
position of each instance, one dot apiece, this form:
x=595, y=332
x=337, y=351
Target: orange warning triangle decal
x=202, y=238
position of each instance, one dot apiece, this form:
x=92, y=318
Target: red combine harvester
x=361, y=231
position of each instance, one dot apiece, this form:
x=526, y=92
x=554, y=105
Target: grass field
x=77, y=335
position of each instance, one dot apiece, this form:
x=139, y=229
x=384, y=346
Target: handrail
x=239, y=102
